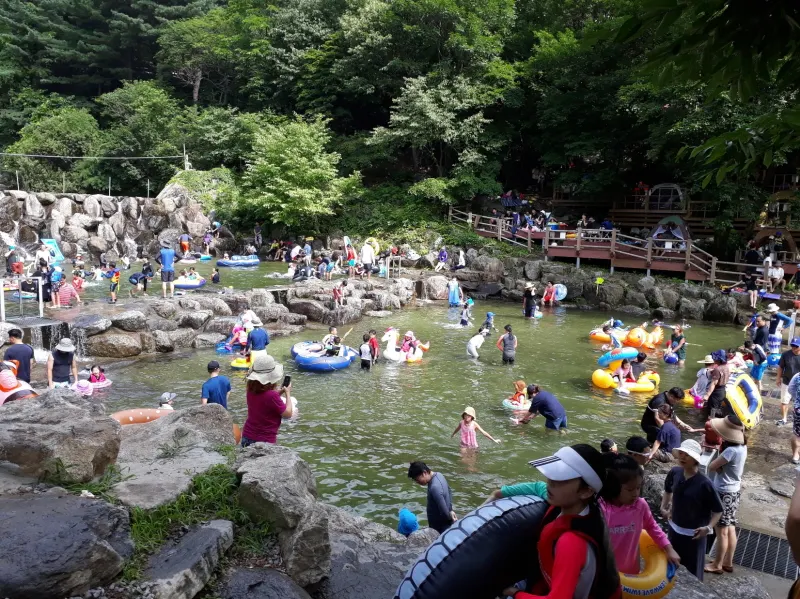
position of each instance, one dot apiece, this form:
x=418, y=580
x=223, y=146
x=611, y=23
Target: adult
x=727, y=469
x=677, y=345
x=166, y=258
x=583, y=223
x=775, y=277
x=257, y=234
x=265, y=408
x=61, y=363
x=649, y=424
x=184, y=241
x=639, y=449
x=66, y=293
x=43, y=255
x=794, y=387
x=295, y=252
x=719, y=376
x=367, y=258
x=455, y=296
x=776, y=323
x=257, y=339
x=21, y=353
x=507, y=343
x=703, y=379
x=441, y=259
x=749, y=282
x=788, y=366
x=528, y=300
x=752, y=257
x=440, y=501
x=461, y=262
x=638, y=366
x=12, y=258
x=545, y=403
x=761, y=332
x=758, y=356
x=217, y=389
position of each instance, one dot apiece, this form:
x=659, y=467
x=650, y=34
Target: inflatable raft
x=310, y=355
x=239, y=261
x=189, y=284
x=647, y=383
x=510, y=405
x=205, y=257
x=25, y=295
x=744, y=398
x=638, y=337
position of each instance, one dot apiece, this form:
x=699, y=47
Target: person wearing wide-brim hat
x=61, y=363
x=691, y=506
x=529, y=300
x=257, y=339
x=265, y=407
x=728, y=469
x=718, y=379
x=703, y=377
x=468, y=426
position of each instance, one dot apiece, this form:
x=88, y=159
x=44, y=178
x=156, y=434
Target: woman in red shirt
x=265, y=408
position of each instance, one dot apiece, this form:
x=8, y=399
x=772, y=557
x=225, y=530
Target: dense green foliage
x=425, y=102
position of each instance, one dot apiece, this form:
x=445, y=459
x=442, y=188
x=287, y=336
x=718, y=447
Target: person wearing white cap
x=265, y=408
x=703, y=377
x=776, y=323
x=692, y=507
x=257, y=339
x=61, y=364
x=575, y=556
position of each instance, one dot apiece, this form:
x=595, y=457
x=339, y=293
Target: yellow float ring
x=241, y=364
x=374, y=243
x=656, y=579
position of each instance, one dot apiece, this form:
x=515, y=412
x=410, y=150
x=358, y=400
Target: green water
x=360, y=429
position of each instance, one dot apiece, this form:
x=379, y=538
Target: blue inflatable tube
x=309, y=355
x=191, y=284
x=619, y=353
x=224, y=348
x=484, y=552
x=240, y=261
x=204, y=257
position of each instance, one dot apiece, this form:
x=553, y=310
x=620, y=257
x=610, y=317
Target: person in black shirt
x=528, y=300
x=147, y=271
x=638, y=366
x=22, y=353
x=788, y=366
x=649, y=423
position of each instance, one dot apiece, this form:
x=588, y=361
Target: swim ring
x=510, y=405
x=241, y=363
x=25, y=295
x=145, y=415
x=310, y=355
x=744, y=398
x=187, y=261
x=239, y=261
x=656, y=579
x=205, y=257
x=102, y=384
x=224, y=348
x=374, y=243
x=619, y=353
x=599, y=335
x=561, y=291
x=646, y=383
x=638, y=337
x=480, y=554
x=182, y=283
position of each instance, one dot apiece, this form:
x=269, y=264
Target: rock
x=27, y=235
x=422, y=537
x=164, y=309
x=34, y=212
x=117, y=223
x=5, y=327
x=664, y=314
x=708, y=294
x=60, y=545
x=91, y=324
x=384, y=300
x=108, y=205
x=130, y=320
x=58, y=434
x=633, y=310
x=163, y=456
x=350, y=312
x=636, y=298
x=293, y=319
x=313, y=309
x=489, y=265
x=671, y=299
x=782, y=487
x=83, y=221
x=148, y=342
x=223, y=325
x=436, y=288
x=470, y=255
x=654, y=296
x=182, y=337
x=181, y=569
x=10, y=212
x=98, y=245
x=688, y=587
x=92, y=206
x=721, y=309
x=645, y=283
x=378, y=313
x=237, y=302
x=260, y=298
x=163, y=341
x=208, y=340
x=161, y=324
x=195, y=320
x=215, y=304
x=611, y=293
x=73, y=234
x=533, y=270
x=691, y=309
x=737, y=587
x=306, y=550
x=169, y=235
x=489, y=289
x=114, y=345
x=46, y=199
x=261, y=583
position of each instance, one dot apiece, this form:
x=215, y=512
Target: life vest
x=551, y=532
x=21, y=390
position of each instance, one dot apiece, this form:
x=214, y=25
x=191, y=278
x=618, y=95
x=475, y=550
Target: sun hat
x=691, y=448
x=528, y=285
x=165, y=243
x=83, y=387
x=409, y=334
x=720, y=355
x=469, y=412
x=65, y=345
x=795, y=342
x=568, y=463
x=265, y=370
x=7, y=380
x=167, y=397
x=256, y=322
x=728, y=430
x=773, y=308
x=707, y=360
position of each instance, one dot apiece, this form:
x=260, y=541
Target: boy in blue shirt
x=217, y=388
x=113, y=274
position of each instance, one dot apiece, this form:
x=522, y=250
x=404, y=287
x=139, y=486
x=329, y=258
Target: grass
x=212, y=495
x=100, y=488
x=181, y=444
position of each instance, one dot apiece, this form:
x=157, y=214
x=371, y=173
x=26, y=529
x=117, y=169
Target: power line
x=91, y=157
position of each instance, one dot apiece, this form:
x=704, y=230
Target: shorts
x=730, y=505
x=63, y=385
x=556, y=424
x=786, y=397
x=366, y=364
x=758, y=370
x=113, y=287
x=185, y=246
x=464, y=322
x=528, y=312
x=167, y=276
x=351, y=263
x=774, y=344
x=508, y=359
x=330, y=267
x=367, y=267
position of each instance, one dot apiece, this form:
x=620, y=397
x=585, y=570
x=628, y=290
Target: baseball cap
x=637, y=445
x=213, y=365
x=569, y=463
x=795, y=342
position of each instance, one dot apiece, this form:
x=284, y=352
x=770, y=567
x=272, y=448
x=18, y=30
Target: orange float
x=145, y=415
x=638, y=337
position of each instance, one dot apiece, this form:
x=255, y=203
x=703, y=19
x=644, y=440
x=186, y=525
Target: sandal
x=795, y=461
x=711, y=570
x=728, y=569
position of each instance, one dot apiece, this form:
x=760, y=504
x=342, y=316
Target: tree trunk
x=415, y=158
x=198, y=77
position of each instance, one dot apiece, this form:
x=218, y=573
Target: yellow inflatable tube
x=745, y=399
x=241, y=364
x=648, y=382
x=656, y=579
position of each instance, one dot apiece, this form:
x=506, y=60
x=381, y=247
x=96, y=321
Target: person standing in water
x=508, y=345
x=475, y=343
x=166, y=259
x=677, y=345
x=468, y=427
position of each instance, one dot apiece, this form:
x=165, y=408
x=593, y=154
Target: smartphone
x=287, y=380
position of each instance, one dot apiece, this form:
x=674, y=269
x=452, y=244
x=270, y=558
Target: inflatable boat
x=310, y=355
x=204, y=257
x=744, y=398
x=239, y=261
x=189, y=284
x=646, y=383
x=25, y=295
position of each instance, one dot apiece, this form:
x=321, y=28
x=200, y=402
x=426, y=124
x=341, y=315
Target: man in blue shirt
x=166, y=258
x=217, y=388
x=546, y=404
x=257, y=340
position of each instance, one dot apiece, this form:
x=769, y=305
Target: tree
x=291, y=178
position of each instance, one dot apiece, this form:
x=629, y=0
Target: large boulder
x=34, y=211
x=208, y=340
x=117, y=223
x=737, y=587
x=74, y=234
x=130, y=320
x=671, y=298
x=195, y=320
x=98, y=245
x=721, y=309
x=691, y=309
x=350, y=312
x=108, y=205
x=488, y=264
x=106, y=231
x=611, y=294
x=215, y=304
x=636, y=298
x=164, y=309
x=10, y=212
x=83, y=221
x=384, y=300
x=60, y=435
x=182, y=337
x=261, y=583
x=163, y=341
x=27, y=234
x=91, y=324
x=436, y=288
x=306, y=549
x=533, y=270
x=161, y=457
x=222, y=325
x=161, y=324
x=313, y=309
x=64, y=206
x=645, y=283
x=655, y=297
x=92, y=206
x=114, y=344
x=237, y=302
x=58, y=545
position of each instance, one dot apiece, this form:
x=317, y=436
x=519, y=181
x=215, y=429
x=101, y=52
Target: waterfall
x=39, y=352
x=78, y=336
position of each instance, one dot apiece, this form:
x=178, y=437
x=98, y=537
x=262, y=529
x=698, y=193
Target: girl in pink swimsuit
x=468, y=426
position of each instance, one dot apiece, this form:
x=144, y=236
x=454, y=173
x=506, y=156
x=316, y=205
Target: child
x=519, y=392
x=338, y=293
x=468, y=426
x=374, y=345
x=669, y=435
x=488, y=324
x=475, y=342
x=193, y=276
x=215, y=276
x=98, y=374
x=366, y=353
x=465, y=317
x=239, y=337
x=627, y=514
x=608, y=446
x=573, y=530
x=691, y=505
x=549, y=294
x=407, y=522
x=328, y=339
x=77, y=281
x=165, y=402
x=334, y=348
x=624, y=375
x=614, y=343
x=113, y=274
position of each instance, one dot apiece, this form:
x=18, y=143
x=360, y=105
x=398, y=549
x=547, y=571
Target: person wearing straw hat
x=691, y=506
x=61, y=363
x=728, y=469
x=575, y=555
x=468, y=425
x=529, y=300
x=265, y=408
x=703, y=377
x=257, y=339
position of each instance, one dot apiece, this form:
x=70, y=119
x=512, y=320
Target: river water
x=359, y=430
